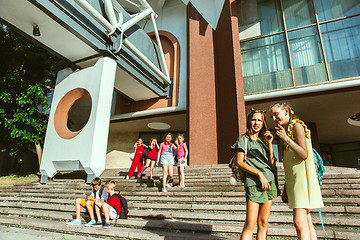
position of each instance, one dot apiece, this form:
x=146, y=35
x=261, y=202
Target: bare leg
x=252, y=211
x=170, y=173
x=146, y=166
x=301, y=223
x=165, y=174
x=106, y=210
x=77, y=208
x=263, y=220
x=179, y=173
x=98, y=213
x=311, y=226
x=181, y=176
x=152, y=170
x=90, y=210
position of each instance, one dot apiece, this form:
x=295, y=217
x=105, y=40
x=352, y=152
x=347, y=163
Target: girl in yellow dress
x=302, y=189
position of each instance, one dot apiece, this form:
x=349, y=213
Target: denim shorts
x=167, y=158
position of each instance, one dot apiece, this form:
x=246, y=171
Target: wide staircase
x=207, y=208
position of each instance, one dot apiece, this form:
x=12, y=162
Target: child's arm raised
x=242, y=164
x=269, y=139
x=299, y=145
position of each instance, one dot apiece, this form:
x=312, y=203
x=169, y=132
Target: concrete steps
x=207, y=208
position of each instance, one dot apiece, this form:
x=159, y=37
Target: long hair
x=283, y=106
x=249, y=131
x=151, y=140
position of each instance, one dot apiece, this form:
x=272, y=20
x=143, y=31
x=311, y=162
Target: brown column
x=231, y=120
x=201, y=102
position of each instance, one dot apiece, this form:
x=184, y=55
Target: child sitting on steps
x=98, y=193
x=112, y=208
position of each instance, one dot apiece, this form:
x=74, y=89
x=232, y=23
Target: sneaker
x=90, y=223
x=127, y=177
x=164, y=190
x=74, y=222
x=107, y=225
x=168, y=185
x=97, y=224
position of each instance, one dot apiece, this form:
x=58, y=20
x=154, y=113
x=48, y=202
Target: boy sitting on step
x=98, y=193
x=112, y=208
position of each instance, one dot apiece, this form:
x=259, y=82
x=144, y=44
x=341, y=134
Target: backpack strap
x=116, y=195
x=101, y=190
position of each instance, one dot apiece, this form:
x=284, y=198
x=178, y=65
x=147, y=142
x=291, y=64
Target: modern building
x=222, y=57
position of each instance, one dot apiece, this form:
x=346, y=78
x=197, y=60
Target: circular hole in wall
x=354, y=120
x=79, y=114
x=72, y=113
x=159, y=125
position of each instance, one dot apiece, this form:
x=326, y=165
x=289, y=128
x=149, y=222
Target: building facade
x=222, y=58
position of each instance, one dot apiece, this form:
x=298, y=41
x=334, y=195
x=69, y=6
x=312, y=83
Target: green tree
x=26, y=77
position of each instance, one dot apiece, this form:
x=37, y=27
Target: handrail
x=96, y=15
x=139, y=54
x=111, y=29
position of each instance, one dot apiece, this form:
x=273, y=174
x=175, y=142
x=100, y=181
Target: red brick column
x=231, y=119
x=202, y=129
x=216, y=107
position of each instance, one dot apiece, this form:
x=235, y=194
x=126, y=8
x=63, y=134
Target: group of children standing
x=163, y=154
x=256, y=157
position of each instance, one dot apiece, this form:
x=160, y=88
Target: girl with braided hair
x=302, y=190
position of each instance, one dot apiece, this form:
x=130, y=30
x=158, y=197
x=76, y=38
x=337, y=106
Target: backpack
x=123, y=214
x=238, y=173
x=319, y=166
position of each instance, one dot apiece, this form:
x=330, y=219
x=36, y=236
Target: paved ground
x=11, y=233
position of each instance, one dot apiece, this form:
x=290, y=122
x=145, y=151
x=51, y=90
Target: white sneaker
x=164, y=190
x=90, y=223
x=127, y=177
x=74, y=222
x=168, y=185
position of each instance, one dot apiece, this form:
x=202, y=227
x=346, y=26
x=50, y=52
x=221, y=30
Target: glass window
x=298, y=13
x=306, y=56
x=265, y=64
x=259, y=18
x=341, y=42
x=332, y=9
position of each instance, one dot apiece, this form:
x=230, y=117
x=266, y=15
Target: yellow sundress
x=302, y=186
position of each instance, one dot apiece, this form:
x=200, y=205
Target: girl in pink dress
x=151, y=157
x=138, y=159
x=182, y=158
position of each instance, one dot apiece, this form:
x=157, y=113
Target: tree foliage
x=26, y=78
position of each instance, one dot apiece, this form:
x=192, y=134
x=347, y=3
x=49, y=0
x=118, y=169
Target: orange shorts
x=83, y=203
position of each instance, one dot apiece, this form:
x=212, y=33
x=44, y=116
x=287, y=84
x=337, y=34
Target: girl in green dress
x=302, y=190
x=260, y=174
